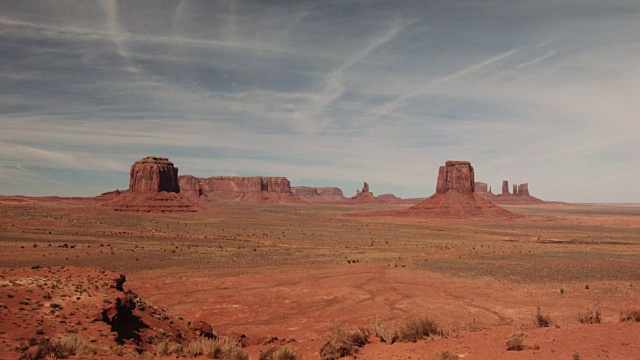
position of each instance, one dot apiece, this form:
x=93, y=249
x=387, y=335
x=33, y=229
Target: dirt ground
x=297, y=271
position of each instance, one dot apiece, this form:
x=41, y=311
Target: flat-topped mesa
x=152, y=175
x=241, y=184
x=456, y=175
x=238, y=188
x=481, y=187
x=306, y=191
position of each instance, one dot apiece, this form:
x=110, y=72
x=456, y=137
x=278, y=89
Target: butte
x=153, y=187
x=455, y=196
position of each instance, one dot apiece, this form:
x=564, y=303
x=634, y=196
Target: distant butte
x=153, y=187
x=254, y=189
x=455, y=196
x=318, y=193
x=519, y=196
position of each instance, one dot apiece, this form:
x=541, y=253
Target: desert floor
x=296, y=272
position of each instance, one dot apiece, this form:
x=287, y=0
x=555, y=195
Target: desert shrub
x=542, y=320
x=281, y=353
x=85, y=350
x=165, y=348
x=70, y=345
x=414, y=330
x=631, y=315
x=161, y=348
x=223, y=348
x=445, y=355
x=576, y=355
x=60, y=349
x=590, y=317
x=388, y=336
x=117, y=350
x=516, y=341
x=194, y=349
x=342, y=342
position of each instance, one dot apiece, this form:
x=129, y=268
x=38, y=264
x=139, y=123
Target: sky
x=326, y=93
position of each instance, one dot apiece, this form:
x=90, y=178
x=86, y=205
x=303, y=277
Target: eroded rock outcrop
x=456, y=175
x=455, y=196
x=153, y=174
x=238, y=188
x=364, y=195
x=153, y=187
x=505, y=187
x=318, y=193
x=519, y=196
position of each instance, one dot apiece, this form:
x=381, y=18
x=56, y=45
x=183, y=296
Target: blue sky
x=326, y=93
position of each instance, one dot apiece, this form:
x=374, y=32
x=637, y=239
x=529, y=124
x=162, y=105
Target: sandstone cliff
x=238, y=188
x=456, y=175
x=153, y=174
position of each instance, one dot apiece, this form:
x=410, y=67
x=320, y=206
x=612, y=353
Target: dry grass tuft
x=414, y=330
x=342, y=342
x=542, y=320
x=630, y=315
x=444, y=355
x=387, y=335
x=590, y=317
x=222, y=348
x=516, y=341
x=284, y=352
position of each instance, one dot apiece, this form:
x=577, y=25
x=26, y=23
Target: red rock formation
x=190, y=187
x=523, y=190
x=505, y=187
x=481, y=187
x=318, y=193
x=364, y=195
x=153, y=187
x=387, y=197
x=153, y=174
x=456, y=175
x=455, y=196
x=238, y=188
x=117, y=282
x=520, y=195
x=201, y=328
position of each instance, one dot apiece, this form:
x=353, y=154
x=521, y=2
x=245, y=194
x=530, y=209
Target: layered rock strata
x=237, y=188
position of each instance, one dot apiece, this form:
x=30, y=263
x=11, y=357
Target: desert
x=297, y=275
x=288, y=180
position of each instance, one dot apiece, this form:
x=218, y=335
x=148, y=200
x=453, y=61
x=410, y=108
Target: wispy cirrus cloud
x=324, y=93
